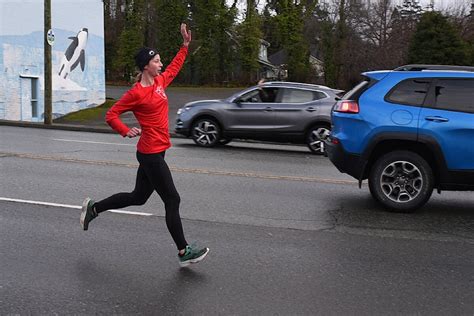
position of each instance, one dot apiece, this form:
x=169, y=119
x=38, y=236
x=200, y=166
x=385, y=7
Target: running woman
x=149, y=103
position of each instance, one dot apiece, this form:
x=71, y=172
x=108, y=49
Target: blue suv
x=407, y=131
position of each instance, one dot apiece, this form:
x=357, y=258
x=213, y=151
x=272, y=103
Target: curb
x=66, y=127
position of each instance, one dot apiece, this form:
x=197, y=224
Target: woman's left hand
x=186, y=35
x=134, y=132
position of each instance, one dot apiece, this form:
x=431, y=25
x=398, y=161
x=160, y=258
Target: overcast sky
x=20, y=17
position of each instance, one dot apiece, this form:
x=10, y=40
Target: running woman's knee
x=174, y=198
x=139, y=199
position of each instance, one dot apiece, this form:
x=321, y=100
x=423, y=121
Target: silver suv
x=274, y=111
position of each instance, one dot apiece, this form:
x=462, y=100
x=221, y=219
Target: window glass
x=251, y=96
x=265, y=95
x=318, y=95
x=455, y=94
x=268, y=95
x=355, y=92
x=411, y=92
x=298, y=96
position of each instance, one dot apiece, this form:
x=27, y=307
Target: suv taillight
x=347, y=106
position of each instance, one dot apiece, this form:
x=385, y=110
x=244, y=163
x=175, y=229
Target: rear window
x=355, y=92
x=455, y=94
x=300, y=96
x=409, y=92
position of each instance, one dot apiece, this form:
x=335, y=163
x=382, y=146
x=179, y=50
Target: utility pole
x=48, y=102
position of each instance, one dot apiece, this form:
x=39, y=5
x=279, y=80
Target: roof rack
x=297, y=84
x=421, y=67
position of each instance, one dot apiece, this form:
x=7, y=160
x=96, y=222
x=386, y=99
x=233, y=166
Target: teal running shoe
x=88, y=213
x=192, y=254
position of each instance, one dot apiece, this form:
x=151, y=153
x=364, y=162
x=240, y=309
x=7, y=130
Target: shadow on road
x=449, y=215
x=133, y=289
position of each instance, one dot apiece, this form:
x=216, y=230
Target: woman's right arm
x=176, y=64
x=126, y=103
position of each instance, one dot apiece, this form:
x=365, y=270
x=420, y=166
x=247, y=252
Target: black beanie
x=143, y=57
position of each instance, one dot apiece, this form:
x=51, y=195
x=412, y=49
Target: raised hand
x=186, y=34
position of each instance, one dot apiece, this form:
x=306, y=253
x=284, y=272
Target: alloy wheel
x=206, y=133
x=316, y=139
x=401, y=181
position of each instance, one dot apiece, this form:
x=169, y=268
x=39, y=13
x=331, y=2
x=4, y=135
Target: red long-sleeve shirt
x=150, y=107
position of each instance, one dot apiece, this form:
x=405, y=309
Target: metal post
x=48, y=105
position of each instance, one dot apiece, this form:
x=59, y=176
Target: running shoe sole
x=84, y=213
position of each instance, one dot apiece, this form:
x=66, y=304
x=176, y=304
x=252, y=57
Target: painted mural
x=78, y=72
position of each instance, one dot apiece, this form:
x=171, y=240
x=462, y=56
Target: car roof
x=423, y=70
x=293, y=84
x=425, y=67
x=297, y=85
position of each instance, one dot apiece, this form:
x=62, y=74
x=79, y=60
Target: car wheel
x=224, y=141
x=206, y=132
x=315, y=139
x=402, y=181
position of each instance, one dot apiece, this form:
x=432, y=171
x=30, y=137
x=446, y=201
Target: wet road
x=288, y=234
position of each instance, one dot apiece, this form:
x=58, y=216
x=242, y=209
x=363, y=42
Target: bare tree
x=375, y=22
x=463, y=19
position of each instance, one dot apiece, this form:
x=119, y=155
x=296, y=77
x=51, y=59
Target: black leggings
x=153, y=174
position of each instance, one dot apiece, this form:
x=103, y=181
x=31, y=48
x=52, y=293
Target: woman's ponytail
x=138, y=77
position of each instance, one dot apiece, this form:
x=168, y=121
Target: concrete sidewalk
x=66, y=127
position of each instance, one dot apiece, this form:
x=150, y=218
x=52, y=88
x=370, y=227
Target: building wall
x=22, y=57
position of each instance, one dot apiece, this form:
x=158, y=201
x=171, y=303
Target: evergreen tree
x=213, y=58
x=113, y=25
x=131, y=38
x=167, y=36
x=328, y=50
x=289, y=20
x=436, y=41
x=270, y=31
x=296, y=45
x=249, y=43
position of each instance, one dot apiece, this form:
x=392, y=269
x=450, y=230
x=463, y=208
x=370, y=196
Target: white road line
x=90, y=142
x=69, y=206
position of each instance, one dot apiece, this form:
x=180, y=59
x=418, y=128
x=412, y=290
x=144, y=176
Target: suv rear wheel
x=206, y=132
x=315, y=138
x=401, y=180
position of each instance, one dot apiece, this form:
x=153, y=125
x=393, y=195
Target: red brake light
x=347, y=107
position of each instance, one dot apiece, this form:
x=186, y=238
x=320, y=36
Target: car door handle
x=436, y=119
x=311, y=109
x=268, y=109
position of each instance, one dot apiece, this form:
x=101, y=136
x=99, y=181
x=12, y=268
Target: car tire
x=206, y=132
x=315, y=138
x=402, y=181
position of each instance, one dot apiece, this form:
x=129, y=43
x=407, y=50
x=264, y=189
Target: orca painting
x=75, y=54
